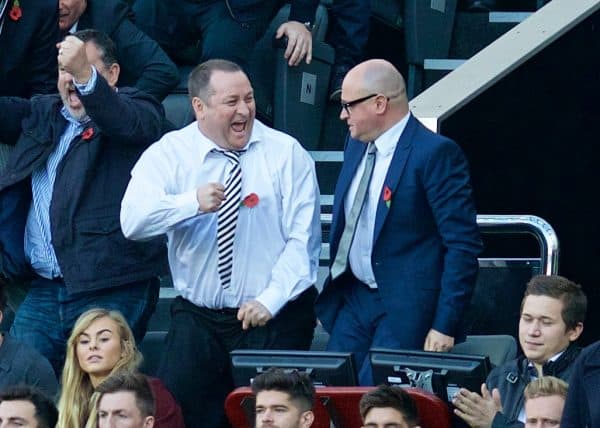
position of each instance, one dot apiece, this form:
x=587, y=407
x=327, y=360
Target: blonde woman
x=101, y=344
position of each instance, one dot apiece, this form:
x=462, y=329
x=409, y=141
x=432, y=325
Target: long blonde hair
x=77, y=389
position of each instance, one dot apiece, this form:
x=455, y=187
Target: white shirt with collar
x=362, y=244
x=277, y=242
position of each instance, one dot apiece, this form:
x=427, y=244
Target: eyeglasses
x=350, y=104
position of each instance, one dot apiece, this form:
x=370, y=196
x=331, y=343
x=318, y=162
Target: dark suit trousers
x=196, y=367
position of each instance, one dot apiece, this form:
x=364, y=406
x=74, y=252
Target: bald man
x=404, y=236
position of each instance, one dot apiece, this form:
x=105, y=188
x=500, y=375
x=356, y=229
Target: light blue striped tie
x=340, y=262
x=227, y=217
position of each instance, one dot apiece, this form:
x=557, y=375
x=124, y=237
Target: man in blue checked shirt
x=60, y=197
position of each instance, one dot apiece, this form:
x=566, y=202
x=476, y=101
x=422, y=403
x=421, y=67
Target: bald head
x=374, y=95
x=378, y=76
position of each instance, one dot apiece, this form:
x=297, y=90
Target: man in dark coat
x=552, y=315
x=60, y=198
x=144, y=64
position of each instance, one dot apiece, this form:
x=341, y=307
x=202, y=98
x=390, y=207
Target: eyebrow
x=97, y=333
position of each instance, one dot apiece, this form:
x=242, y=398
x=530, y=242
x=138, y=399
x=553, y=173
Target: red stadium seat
x=340, y=406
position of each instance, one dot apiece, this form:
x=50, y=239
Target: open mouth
x=239, y=126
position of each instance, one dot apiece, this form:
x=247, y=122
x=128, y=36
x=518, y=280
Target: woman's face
x=99, y=349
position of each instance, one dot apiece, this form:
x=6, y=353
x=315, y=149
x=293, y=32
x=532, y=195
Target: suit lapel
x=394, y=174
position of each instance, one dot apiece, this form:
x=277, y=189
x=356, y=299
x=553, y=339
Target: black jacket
x=582, y=408
x=28, y=49
x=144, y=64
x=90, y=182
x=511, y=379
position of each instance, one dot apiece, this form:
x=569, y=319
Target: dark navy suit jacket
x=28, y=49
x=425, y=244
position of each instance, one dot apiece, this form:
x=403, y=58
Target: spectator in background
x=582, y=407
x=28, y=36
x=544, y=402
x=61, y=194
x=388, y=406
x=404, y=236
x=101, y=346
x=283, y=399
x=144, y=64
x=552, y=315
x=25, y=406
x=226, y=29
x=239, y=203
x=21, y=364
x=123, y=401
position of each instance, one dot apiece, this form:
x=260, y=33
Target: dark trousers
x=196, y=367
x=195, y=31
x=362, y=324
x=47, y=315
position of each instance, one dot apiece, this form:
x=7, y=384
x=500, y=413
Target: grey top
x=21, y=364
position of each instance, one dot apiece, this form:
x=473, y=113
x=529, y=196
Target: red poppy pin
x=87, y=134
x=387, y=196
x=250, y=201
x=15, y=12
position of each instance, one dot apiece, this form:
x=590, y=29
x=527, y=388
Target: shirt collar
x=206, y=144
x=386, y=142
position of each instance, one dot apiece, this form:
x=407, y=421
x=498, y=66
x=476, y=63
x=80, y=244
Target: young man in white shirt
x=239, y=203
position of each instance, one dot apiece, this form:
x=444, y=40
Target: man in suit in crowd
x=404, y=236
x=60, y=197
x=28, y=36
x=144, y=64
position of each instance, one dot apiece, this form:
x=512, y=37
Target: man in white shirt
x=238, y=202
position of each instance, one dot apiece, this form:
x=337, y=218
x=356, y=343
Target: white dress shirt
x=362, y=244
x=277, y=242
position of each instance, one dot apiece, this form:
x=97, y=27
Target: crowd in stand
x=97, y=201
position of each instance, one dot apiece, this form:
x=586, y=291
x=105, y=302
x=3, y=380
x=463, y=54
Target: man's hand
x=299, y=44
x=72, y=58
x=210, y=197
x=477, y=410
x=438, y=342
x=253, y=314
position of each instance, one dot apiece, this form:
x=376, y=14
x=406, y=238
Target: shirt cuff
x=272, y=299
x=87, y=88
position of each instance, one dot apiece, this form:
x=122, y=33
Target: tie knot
x=232, y=155
x=371, y=148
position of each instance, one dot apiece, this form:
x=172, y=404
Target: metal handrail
x=514, y=224
x=526, y=224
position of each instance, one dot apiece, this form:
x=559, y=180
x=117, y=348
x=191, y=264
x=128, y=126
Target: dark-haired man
x=24, y=406
x=239, y=203
x=552, y=315
x=125, y=401
x=283, y=399
x=144, y=64
x=61, y=193
x=388, y=406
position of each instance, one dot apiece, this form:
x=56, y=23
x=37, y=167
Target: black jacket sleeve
x=144, y=64
x=303, y=10
x=14, y=110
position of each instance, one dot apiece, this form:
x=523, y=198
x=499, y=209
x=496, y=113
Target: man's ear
x=575, y=332
x=307, y=418
x=113, y=74
x=1, y=316
x=199, y=107
x=149, y=422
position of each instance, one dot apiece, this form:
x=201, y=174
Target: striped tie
x=227, y=217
